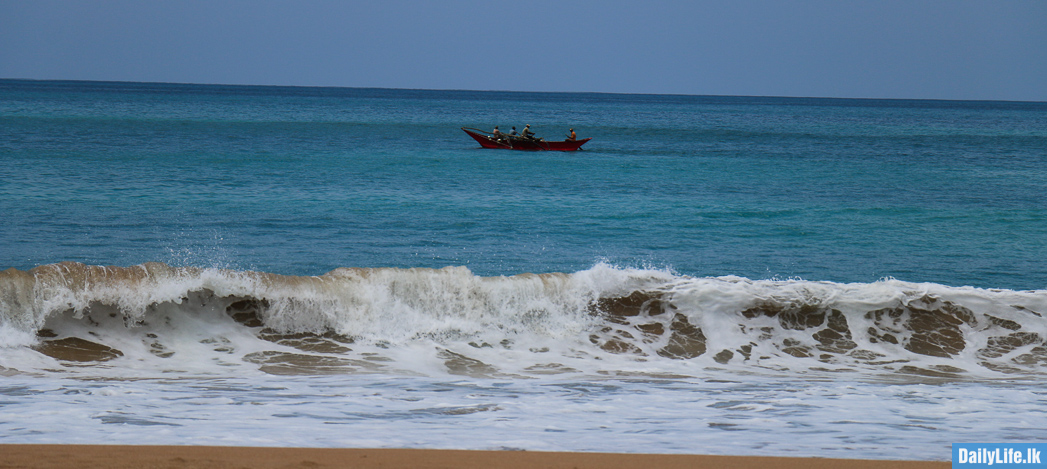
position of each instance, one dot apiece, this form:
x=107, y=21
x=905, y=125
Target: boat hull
x=519, y=143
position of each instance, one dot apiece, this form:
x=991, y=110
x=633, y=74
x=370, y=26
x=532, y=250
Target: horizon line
x=62, y=80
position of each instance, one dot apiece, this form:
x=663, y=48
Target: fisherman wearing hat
x=527, y=132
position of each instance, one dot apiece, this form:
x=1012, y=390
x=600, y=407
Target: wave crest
x=651, y=320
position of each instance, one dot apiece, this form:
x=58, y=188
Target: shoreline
x=49, y=456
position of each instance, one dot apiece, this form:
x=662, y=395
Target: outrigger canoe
x=509, y=142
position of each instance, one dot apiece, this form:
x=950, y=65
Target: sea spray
x=600, y=320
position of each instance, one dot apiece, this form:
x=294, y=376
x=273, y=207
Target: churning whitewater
x=153, y=318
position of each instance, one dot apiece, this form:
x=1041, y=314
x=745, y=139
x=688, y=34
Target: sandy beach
x=217, y=457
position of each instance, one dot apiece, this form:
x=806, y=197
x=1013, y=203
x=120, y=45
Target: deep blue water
x=302, y=181
x=305, y=180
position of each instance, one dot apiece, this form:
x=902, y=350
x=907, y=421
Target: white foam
x=525, y=324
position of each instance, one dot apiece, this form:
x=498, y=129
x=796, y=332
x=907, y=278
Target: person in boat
x=571, y=136
x=527, y=132
x=513, y=132
x=497, y=135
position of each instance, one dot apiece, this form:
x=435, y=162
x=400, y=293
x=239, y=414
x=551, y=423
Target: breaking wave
x=76, y=318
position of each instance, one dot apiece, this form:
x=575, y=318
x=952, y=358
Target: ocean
x=342, y=267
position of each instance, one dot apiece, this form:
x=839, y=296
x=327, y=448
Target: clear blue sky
x=945, y=49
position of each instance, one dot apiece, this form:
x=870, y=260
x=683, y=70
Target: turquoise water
x=345, y=267
x=305, y=180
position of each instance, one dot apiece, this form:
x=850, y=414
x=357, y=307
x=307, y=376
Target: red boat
x=510, y=142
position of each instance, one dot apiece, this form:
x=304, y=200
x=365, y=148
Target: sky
x=909, y=49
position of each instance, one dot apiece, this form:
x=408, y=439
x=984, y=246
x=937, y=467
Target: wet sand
x=218, y=457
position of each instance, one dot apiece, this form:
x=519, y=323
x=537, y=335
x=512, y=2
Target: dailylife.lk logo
x=998, y=455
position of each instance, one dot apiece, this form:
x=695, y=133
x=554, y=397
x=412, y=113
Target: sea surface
x=340, y=267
